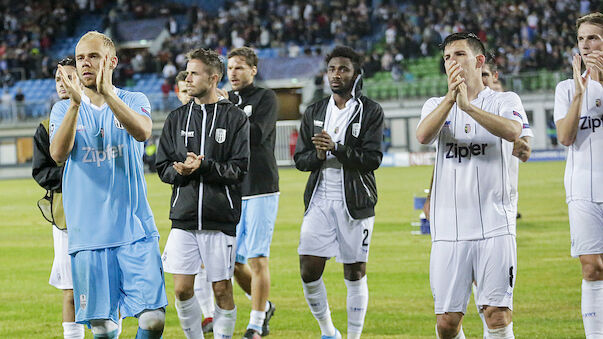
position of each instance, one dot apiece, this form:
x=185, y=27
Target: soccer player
x=113, y=241
x=203, y=289
x=204, y=153
x=260, y=188
x=579, y=118
x=473, y=206
x=49, y=174
x=340, y=143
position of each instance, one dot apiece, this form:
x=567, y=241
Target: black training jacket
x=49, y=175
x=360, y=154
x=259, y=104
x=219, y=131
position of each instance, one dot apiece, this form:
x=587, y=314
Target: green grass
x=547, y=293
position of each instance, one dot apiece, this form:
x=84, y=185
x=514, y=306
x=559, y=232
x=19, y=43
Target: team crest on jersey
x=117, y=123
x=83, y=301
x=598, y=102
x=248, y=109
x=467, y=128
x=356, y=129
x=220, y=135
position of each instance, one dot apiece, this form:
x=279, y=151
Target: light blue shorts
x=128, y=277
x=254, y=231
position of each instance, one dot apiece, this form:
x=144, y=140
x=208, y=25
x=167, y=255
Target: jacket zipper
x=202, y=152
x=177, y=195
x=228, y=196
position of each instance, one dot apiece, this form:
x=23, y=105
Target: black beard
x=342, y=91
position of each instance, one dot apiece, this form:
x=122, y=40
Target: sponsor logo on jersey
x=356, y=129
x=248, y=110
x=456, y=151
x=598, y=102
x=188, y=134
x=318, y=123
x=117, y=123
x=220, y=135
x=467, y=128
x=591, y=123
x=93, y=155
x=83, y=301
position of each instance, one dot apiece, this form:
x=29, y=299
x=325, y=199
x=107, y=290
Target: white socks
x=224, y=322
x=316, y=296
x=189, y=314
x=72, y=330
x=256, y=320
x=204, y=294
x=501, y=333
x=592, y=308
x=357, y=302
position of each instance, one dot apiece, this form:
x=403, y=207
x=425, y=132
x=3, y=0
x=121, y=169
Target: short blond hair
x=107, y=42
x=595, y=18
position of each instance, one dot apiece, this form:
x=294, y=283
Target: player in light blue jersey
x=113, y=240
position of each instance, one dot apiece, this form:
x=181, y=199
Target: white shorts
x=185, y=252
x=586, y=227
x=60, y=274
x=328, y=231
x=491, y=262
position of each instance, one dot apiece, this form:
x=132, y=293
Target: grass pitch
x=547, y=292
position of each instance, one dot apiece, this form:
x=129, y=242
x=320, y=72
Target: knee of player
x=183, y=292
x=222, y=289
x=152, y=320
x=258, y=265
x=592, y=270
x=497, y=317
x=448, y=326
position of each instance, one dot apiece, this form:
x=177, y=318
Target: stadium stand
x=533, y=41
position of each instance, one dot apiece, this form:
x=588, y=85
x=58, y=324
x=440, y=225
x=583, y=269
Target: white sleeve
x=526, y=131
x=563, y=97
x=512, y=108
x=57, y=113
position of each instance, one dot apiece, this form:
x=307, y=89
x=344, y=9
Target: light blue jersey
x=104, y=189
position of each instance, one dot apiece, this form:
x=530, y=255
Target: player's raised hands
x=190, y=164
x=522, y=149
x=222, y=93
x=453, y=71
x=103, y=78
x=323, y=142
x=579, y=80
x=462, y=99
x=594, y=61
x=72, y=86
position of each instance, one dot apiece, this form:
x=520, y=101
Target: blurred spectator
x=7, y=105
x=169, y=72
x=166, y=87
x=19, y=105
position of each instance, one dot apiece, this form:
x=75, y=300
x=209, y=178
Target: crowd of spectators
x=524, y=35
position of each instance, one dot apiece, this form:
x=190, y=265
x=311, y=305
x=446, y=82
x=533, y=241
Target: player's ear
x=481, y=60
x=113, y=62
x=254, y=70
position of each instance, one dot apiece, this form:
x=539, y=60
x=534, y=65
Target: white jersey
x=584, y=166
x=475, y=172
x=336, y=122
